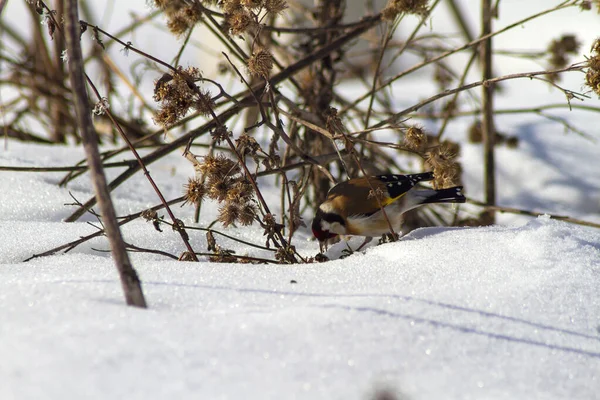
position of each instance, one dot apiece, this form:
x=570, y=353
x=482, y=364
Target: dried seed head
x=218, y=166
x=177, y=93
x=260, y=63
x=219, y=187
x=286, y=254
x=246, y=144
x=415, y=138
x=417, y=7
x=191, y=73
x=192, y=13
x=395, y=7
x=230, y=6
x=178, y=24
x=476, y=132
x=165, y=117
x=275, y=6
x=240, y=192
x=228, y=214
x=441, y=160
x=559, y=50
x=247, y=214
x=389, y=13
x=334, y=124
x=170, y=7
x=219, y=134
x=195, y=191
x=239, y=21
x=204, y=103
x=149, y=215
x=592, y=76
x=251, y=3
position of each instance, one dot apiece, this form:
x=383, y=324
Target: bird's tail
x=416, y=198
x=450, y=195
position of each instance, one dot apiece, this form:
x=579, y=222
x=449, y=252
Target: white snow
x=503, y=312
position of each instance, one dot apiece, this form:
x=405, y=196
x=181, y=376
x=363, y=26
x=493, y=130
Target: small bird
x=351, y=207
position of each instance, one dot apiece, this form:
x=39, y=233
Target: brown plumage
x=352, y=207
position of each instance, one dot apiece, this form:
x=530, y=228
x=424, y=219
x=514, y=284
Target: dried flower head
x=246, y=144
x=559, y=50
x=275, y=6
x=204, y=103
x=195, y=190
x=415, y=138
x=219, y=187
x=170, y=7
x=177, y=94
x=475, y=132
x=592, y=76
x=239, y=21
x=220, y=133
x=251, y=4
x=247, y=214
x=442, y=160
x=240, y=192
x=333, y=123
x=193, y=13
x=218, y=166
x=395, y=7
x=178, y=24
x=230, y=6
x=228, y=214
x=260, y=63
x=286, y=254
x=586, y=5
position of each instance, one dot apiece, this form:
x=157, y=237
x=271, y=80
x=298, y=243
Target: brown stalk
x=487, y=126
x=104, y=109
x=530, y=75
x=564, y=4
x=518, y=211
x=130, y=282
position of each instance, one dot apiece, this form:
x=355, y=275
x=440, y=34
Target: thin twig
x=129, y=279
x=512, y=210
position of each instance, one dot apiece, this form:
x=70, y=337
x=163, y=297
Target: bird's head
x=327, y=225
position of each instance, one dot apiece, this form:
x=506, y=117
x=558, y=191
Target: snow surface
x=504, y=312
x=498, y=312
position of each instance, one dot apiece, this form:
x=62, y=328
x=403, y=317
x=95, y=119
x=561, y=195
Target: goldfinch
x=351, y=207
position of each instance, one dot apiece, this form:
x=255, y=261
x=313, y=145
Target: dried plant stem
x=179, y=229
x=454, y=99
x=122, y=221
x=530, y=75
x=130, y=282
x=487, y=127
x=246, y=100
x=564, y=4
x=518, y=211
